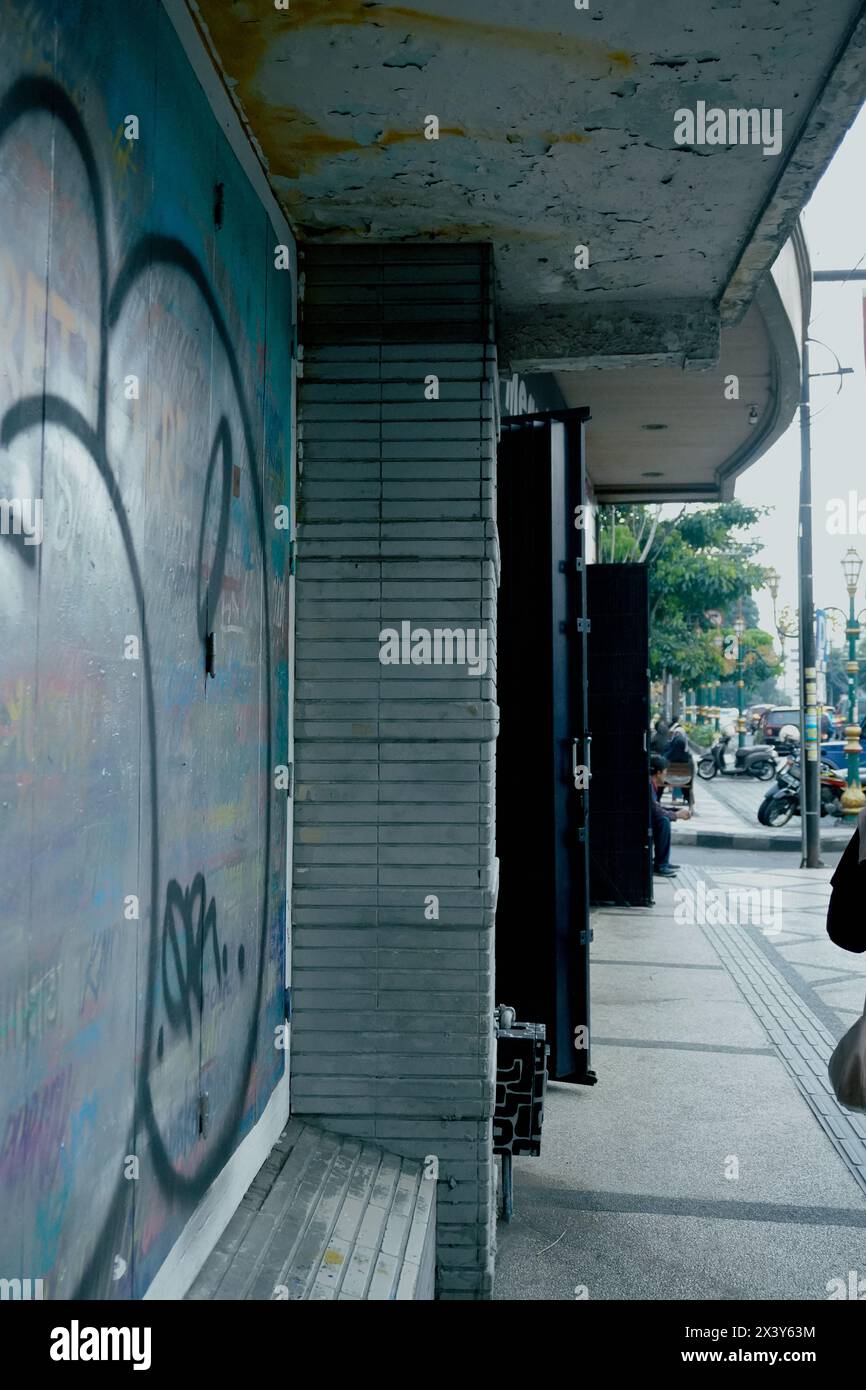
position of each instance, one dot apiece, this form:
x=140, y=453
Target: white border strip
x=218, y=1205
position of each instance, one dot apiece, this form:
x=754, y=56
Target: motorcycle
x=783, y=801
x=755, y=762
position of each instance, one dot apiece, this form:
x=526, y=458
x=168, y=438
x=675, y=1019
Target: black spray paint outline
x=42, y=95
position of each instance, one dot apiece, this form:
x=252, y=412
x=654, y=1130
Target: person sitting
x=661, y=736
x=680, y=765
x=660, y=819
x=677, y=750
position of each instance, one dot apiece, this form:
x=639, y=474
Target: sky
x=835, y=223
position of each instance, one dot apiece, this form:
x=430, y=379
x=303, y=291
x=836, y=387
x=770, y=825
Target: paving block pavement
x=711, y=1161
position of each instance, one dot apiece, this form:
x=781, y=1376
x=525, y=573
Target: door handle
x=575, y=762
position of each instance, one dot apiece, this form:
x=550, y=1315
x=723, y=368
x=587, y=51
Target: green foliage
x=699, y=562
x=701, y=734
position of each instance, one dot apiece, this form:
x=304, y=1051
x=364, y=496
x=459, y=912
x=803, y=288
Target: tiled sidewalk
x=710, y=1161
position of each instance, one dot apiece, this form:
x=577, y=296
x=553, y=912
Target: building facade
x=258, y=348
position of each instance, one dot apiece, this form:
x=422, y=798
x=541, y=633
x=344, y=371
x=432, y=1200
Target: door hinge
x=293, y=556
x=204, y=1114
x=586, y=937
x=290, y=779
x=288, y=1004
x=583, y=624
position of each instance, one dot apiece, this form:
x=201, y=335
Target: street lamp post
x=853, y=799
x=785, y=628
x=739, y=629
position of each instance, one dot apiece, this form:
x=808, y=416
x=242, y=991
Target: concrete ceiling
x=556, y=128
x=657, y=432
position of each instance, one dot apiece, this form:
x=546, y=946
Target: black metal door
x=542, y=755
x=620, y=860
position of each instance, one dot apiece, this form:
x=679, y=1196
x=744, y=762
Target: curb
x=744, y=839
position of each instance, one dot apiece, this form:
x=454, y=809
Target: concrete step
x=327, y=1217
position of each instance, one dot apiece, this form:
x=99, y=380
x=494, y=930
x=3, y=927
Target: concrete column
x=394, y=867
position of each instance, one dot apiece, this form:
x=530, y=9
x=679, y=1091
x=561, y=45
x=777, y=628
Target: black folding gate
x=542, y=755
x=620, y=863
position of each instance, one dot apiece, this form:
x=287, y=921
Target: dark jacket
x=845, y=925
x=677, y=750
x=660, y=738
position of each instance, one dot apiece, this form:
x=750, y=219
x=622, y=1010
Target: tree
x=761, y=665
x=699, y=564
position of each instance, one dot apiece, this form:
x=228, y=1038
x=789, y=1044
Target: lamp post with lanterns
x=739, y=629
x=785, y=626
x=853, y=799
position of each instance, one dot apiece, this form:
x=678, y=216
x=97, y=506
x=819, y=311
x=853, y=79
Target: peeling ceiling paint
x=556, y=127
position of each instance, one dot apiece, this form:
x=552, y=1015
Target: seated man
x=661, y=817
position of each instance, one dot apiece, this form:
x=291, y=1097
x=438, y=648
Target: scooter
x=783, y=801
x=748, y=762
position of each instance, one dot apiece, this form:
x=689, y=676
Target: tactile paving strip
x=803, y=1043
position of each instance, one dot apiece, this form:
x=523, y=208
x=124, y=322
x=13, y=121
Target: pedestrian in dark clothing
x=660, y=819
x=661, y=736
x=679, y=761
x=677, y=750
x=845, y=914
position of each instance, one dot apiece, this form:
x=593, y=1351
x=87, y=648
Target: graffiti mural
x=146, y=341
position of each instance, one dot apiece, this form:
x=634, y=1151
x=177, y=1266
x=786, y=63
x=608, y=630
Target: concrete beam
x=550, y=339
x=821, y=134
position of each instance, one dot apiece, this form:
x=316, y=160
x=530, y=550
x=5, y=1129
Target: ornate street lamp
x=853, y=799
x=772, y=580
x=739, y=629
x=785, y=624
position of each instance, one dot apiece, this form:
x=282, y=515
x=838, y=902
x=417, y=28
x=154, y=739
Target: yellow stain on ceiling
x=293, y=142
x=296, y=145
x=325, y=13
x=242, y=33
x=399, y=137
x=571, y=139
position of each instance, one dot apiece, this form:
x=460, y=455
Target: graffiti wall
x=145, y=390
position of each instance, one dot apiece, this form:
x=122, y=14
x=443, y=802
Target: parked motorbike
x=783, y=801
x=755, y=762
